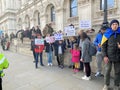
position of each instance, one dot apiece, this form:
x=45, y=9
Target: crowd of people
x=6, y=40
x=107, y=43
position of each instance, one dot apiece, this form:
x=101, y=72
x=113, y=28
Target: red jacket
x=39, y=48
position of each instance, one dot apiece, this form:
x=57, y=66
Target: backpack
x=92, y=49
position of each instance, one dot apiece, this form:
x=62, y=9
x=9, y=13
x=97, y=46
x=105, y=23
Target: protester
x=79, y=42
x=38, y=52
x=75, y=57
x=99, y=55
x=86, y=58
x=111, y=52
x=49, y=50
x=73, y=40
x=59, y=52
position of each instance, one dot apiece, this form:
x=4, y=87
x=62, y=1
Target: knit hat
x=114, y=21
x=103, y=28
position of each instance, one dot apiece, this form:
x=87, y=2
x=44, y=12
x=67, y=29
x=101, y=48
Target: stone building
x=8, y=10
x=61, y=13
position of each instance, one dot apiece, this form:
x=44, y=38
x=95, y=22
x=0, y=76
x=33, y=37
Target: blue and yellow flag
x=108, y=33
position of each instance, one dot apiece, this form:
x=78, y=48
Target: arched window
x=110, y=4
x=73, y=8
x=52, y=14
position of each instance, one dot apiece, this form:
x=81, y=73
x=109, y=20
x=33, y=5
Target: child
x=60, y=47
x=75, y=57
x=38, y=52
x=73, y=41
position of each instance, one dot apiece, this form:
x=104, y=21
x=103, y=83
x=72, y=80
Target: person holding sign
x=49, y=49
x=39, y=47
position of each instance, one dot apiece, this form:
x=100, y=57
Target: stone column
x=24, y=25
x=3, y=7
x=59, y=19
x=43, y=20
x=32, y=22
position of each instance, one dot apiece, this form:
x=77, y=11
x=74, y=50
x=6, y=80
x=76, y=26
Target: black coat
x=56, y=47
x=48, y=47
x=110, y=48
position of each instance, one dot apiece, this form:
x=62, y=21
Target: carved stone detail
x=81, y=2
x=73, y=20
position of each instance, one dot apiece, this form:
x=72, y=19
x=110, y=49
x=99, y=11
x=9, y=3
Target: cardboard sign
x=39, y=41
x=85, y=24
x=50, y=39
x=69, y=31
x=58, y=36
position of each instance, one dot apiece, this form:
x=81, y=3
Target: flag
x=108, y=34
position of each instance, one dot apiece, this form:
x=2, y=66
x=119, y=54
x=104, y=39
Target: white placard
x=70, y=31
x=85, y=24
x=50, y=39
x=58, y=36
x=39, y=41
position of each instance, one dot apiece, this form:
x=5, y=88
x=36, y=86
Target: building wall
x=8, y=10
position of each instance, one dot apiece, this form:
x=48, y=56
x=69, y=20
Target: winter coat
x=39, y=48
x=56, y=47
x=48, y=47
x=85, y=51
x=110, y=48
x=75, y=55
x=98, y=40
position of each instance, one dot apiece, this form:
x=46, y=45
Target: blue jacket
x=98, y=40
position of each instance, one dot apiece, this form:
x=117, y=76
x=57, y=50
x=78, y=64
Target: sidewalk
x=22, y=75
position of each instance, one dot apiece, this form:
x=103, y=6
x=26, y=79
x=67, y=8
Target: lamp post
x=105, y=22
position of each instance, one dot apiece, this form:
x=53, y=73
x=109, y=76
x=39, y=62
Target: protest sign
x=58, y=36
x=85, y=24
x=70, y=31
x=50, y=39
x=39, y=41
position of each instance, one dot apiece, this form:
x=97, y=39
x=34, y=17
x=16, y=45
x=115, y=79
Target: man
x=111, y=52
x=99, y=55
x=3, y=65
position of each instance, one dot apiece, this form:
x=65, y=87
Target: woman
x=86, y=58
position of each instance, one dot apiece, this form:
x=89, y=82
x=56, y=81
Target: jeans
x=99, y=59
x=49, y=56
x=37, y=55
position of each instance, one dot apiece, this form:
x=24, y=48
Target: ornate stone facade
x=38, y=12
x=8, y=9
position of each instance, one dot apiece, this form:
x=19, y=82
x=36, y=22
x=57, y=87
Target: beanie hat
x=114, y=21
x=103, y=28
